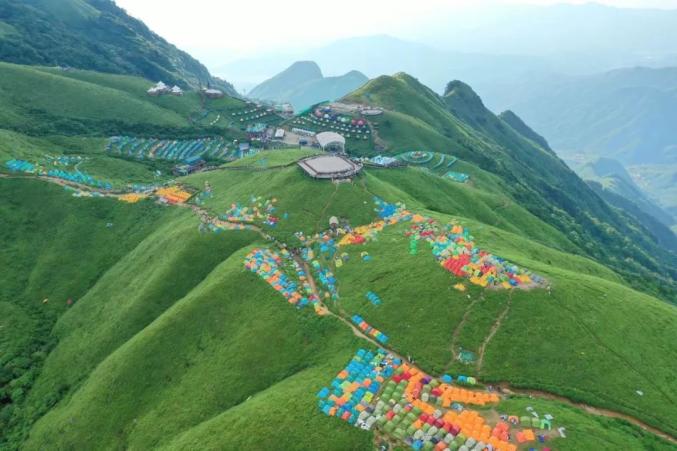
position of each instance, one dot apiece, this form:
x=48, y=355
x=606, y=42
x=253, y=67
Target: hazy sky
x=239, y=27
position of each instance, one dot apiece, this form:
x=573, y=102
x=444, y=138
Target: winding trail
x=457, y=332
x=492, y=332
x=505, y=387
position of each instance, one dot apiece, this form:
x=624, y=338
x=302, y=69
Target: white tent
x=331, y=141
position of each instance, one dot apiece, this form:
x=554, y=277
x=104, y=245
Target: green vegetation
x=170, y=343
x=96, y=35
x=42, y=102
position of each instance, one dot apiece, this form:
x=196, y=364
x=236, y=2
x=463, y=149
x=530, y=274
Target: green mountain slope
x=523, y=129
x=625, y=114
x=218, y=359
x=302, y=84
x=170, y=343
x=96, y=35
x=459, y=124
x=612, y=182
x=41, y=101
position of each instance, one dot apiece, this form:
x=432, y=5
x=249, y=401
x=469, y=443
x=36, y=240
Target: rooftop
x=329, y=167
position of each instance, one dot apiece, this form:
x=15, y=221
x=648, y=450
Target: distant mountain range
x=484, y=45
x=302, y=84
x=96, y=35
x=385, y=55
x=626, y=114
x=615, y=185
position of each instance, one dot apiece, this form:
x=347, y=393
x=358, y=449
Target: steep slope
x=626, y=114
x=458, y=123
x=302, y=84
x=614, y=177
x=96, y=35
x=523, y=129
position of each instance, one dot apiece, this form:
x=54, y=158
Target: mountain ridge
x=302, y=84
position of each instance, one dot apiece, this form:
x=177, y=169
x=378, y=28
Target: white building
x=213, y=93
x=176, y=91
x=331, y=142
x=159, y=89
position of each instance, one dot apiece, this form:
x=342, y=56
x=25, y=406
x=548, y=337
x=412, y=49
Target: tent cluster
x=451, y=244
x=172, y=150
x=457, y=176
x=65, y=160
x=454, y=248
x=268, y=265
x=381, y=160
x=253, y=114
x=417, y=157
x=20, y=166
x=217, y=226
x=352, y=391
x=142, y=188
x=132, y=198
x=346, y=125
x=258, y=209
x=369, y=330
x=373, y=298
x=413, y=407
x=79, y=177
x=173, y=195
x=327, y=279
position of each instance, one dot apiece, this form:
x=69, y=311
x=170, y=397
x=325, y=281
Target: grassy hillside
x=459, y=124
x=54, y=248
x=625, y=114
x=96, y=35
x=41, y=101
x=226, y=361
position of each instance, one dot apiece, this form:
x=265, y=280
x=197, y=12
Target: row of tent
x=457, y=176
x=173, y=195
x=368, y=329
x=172, y=150
x=401, y=413
x=373, y=298
x=80, y=178
x=20, y=166
x=268, y=265
x=76, y=176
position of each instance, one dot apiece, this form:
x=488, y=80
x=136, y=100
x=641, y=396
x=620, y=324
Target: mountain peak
x=464, y=92
x=517, y=124
x=307, y=69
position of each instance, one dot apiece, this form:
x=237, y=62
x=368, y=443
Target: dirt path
x=457, y=332
x=492, y=332
x=507, y=389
